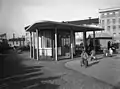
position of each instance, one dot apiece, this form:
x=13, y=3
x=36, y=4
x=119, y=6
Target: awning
x=101, y=36
x=42, y=25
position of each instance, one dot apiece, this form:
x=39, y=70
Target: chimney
x=13, y=38
x=89, y=20
x=13, y=35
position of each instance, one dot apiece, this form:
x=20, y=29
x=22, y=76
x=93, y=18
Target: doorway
x=64, y=45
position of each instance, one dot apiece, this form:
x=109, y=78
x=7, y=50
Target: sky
x=16, y=14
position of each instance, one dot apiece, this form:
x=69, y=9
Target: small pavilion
x=55, y=39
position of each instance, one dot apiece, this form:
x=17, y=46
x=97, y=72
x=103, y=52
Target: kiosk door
x=64, y=46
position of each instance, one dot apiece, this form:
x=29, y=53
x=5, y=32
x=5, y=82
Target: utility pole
x=13, y=37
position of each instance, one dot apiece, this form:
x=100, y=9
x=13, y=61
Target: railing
x=45, y=52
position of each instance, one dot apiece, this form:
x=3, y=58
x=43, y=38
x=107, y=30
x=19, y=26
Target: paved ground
x=106, y=69
x=21, y=72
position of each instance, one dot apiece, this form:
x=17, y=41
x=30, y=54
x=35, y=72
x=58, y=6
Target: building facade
x=27, y=38
x=16, y=42
x=86, y=22
x=91, y=22
x=3, y=37
x=109, y=19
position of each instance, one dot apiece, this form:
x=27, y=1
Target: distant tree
x=4, y=45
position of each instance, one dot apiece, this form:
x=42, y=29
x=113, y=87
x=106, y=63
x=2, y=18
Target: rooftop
x=109, y=9
x=86, y=21
x=42, y=25
x=17, y=39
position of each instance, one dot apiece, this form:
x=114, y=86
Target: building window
x=119, y=13
x=102, y=15
x=103, y=26
x=16, y=42
x=119, y=26
x=116, y=12
x=113, y=13
x=108, y=14
x=114, y=21
x=103, y=22
x=27, y=34
x=114, y=27
x=100, y=21
x=114, y=34
x=105, y=13
x=119, y=20
x=108, y=28
x=108, y=21
x=47, y=39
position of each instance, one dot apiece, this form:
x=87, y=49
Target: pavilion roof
x=42, y=25
x=86, y=21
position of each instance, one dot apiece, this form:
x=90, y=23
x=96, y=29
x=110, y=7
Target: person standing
x=84, y=57
x=92, y=56
x=110, y=52
x=109, y=44
x=105, y=51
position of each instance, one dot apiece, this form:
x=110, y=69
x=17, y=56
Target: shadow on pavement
x=16, y=75
x=117, y=86
x=35, y=83
x=103, y=56
x=99, y=58
x=93, y=63
x=13, y=66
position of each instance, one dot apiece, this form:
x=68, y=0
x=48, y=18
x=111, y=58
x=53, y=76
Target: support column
x=71, y=43
x=56, y=43
x=20, y=42
x=13, y=39
x=74, y=42
x=33, y=45
x=84, y=40
x=53, y=45
x=94, y=40
x=37, y=51
x=30, y=44
x=43, y=45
